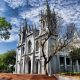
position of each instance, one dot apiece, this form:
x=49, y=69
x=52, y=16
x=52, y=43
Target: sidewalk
x=61, y=77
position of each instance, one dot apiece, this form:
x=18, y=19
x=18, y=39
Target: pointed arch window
x=29, y=46
x=23, y=49
x=24, y=35
x=37, y=46
x=43, y=23
x=19, y=38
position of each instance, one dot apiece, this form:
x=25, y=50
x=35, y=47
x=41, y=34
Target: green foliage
x=70, y=73
x=75, y=54
x=7, y=61
x=10, y=57
x=4, y=28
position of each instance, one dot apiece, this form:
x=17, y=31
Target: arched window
x=37, y=46
x=29, y=47
x=19, y=38
x=23, y=49
x=24, y=34
x=43, y=24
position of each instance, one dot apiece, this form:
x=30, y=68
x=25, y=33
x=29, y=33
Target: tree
x=7, y=61
x=75, y=55
x=63, y=39
x=10, y=58
x=5, y=26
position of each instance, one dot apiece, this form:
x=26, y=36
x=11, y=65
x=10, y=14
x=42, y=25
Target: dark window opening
x=29, y=67
x=43, y=24
x=29, y=47
x=24, y=34
x=37, y=46
x=61, y=60
x=79, y=61
x=68, y=61
x=37, y=68
x=23, y=50
x=19, y=37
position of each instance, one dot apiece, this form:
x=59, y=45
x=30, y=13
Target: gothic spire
x=20, y=30
x=25, y=24
x=41, y=15
x=48, y=7
x=29, y=28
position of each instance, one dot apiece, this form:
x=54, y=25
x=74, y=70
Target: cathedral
x=29, y=57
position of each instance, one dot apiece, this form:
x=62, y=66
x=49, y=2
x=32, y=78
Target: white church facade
x=29, y=57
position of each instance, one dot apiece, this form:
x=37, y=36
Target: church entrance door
x=29, y=66
x=37, y=68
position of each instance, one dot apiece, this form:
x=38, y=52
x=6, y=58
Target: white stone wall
x=23, y=58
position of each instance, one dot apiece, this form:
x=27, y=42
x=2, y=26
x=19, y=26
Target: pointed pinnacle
x=47, y=4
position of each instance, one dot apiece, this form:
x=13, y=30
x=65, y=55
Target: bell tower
x=48, y=20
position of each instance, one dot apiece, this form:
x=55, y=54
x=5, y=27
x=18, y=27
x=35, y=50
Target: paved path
x=67, y=78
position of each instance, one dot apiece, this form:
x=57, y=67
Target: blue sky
x=16, y=10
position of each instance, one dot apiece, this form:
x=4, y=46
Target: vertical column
x=49, y=68
x=24, y=64
x=16, y=67
x=42, y=70
x=20, y=67
x=24, y=57
x=32, y=66
x=26, y=67
x=71, y=65
x=39, y=67
x=58, y=60
x=20, y=63
x=77, y=65
x=65, y=63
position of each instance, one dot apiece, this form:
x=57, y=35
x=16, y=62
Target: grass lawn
x=71, y=73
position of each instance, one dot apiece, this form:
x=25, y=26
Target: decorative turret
x=24, y=29
x=45, y=16
x=25, y=25
x=48, y=8
x=48, y=20
x=20, y=34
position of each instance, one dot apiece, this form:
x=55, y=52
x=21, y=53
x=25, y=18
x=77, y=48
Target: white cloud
x=15, y=3
x=15, y=21
x=2, y=9
x=32, y=13
x=69, y=10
